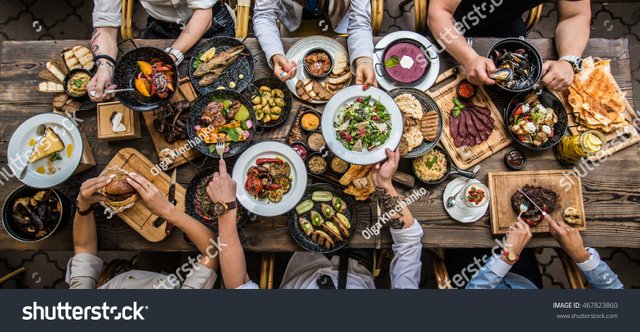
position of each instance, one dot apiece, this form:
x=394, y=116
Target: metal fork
x=220, y=148
x=524, y=206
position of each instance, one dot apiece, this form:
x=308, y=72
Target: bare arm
x=572, y=32
x=441, y=22
x=103, y=41
x=194, y=30
x=85, y=236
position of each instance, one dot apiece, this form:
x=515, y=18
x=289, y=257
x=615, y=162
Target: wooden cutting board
x=466, y=157
x=184, y=92
x=502, y=185
x=616, y=140
x=138, y=216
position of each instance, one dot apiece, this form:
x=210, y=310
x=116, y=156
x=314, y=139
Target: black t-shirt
x=493, y=18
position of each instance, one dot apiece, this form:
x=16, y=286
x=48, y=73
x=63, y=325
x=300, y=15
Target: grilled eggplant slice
x=316, y=218
x=339, y=204
x=322, y=239
x=305, y=225
x=332, y=229
x=327, y=211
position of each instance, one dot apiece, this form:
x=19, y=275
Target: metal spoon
x=41, y=133
x=451, y=200
x=107, y=92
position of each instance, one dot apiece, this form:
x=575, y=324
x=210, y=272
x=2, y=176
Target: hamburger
x=119, y=192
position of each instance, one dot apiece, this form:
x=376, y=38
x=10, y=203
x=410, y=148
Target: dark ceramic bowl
x=514, y=167
x=513, y=44
x=273, y=83
x=428, y=105
x=197, y=108
x=306, y=68
x=309, y=131
x=464, y=81
x=308, y=151
x=313, y=154
x=451, y=170
x=12, y=227
x=126, y=72
x=548, y=100
x=242, y=66
x=302, y=239
x=67, y=77
x=385, y=71
x=243, y=216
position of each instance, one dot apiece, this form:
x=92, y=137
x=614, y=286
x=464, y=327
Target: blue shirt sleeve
x=598, y=273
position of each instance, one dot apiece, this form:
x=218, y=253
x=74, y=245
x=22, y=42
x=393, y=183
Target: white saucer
x=461, y=215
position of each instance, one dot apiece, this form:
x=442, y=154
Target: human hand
x=282, y=68
x=569, y=239
x=478, y=69
x=89, y=195
x=151, y=196
x=221, y=187
x=517, y=238
x=99, y=82
x=383, y=172
x=557, y=75
x=365, y=74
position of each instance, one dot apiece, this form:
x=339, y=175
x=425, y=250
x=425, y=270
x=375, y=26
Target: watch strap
x=85, y=212
x=106, y=57
x=575, y=61
x=177, y=53
x=231, y=205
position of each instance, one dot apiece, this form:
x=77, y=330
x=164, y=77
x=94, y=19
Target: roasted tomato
x=253, y=185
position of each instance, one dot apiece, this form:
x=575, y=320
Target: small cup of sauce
x=515, y=159
x=466, y=90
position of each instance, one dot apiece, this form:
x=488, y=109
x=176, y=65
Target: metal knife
x=172, y=199
x=544, y=214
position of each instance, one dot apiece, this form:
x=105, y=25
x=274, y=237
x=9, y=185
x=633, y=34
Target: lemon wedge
x=593, y=143
x=206, y=56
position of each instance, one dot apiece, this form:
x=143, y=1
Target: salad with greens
x=362, y=124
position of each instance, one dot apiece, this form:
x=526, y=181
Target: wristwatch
x=175, y=52
x=220, y=208
x=575, y=61
x=512, y=257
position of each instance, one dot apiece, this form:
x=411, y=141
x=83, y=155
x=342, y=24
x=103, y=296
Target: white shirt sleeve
x=200, y=4
x=360, y=40
x=83, y=271
x=406, y=264
x=201, y=278
x=249, y=285
x=265, y=14
x=107, y=13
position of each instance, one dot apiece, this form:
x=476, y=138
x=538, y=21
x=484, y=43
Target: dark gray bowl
x=126, y=72
x=243, y=65
x=197, y=108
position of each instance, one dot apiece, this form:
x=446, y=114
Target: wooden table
x=611, y=191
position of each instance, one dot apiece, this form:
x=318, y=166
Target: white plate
x=18, y=151
x=463, y=216
x=434, y=68
x=263, y=207
x=300, y=48
x=367, y=157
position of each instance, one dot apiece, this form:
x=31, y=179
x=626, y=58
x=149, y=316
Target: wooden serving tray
x=616, y=140
x=138, y=216
x=466, y=157
x=502, y=185
x=185, y=92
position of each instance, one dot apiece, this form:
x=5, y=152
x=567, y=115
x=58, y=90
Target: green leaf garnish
x=392, y=62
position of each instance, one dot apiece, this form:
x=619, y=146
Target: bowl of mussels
x=518, y=64
x=32, y=215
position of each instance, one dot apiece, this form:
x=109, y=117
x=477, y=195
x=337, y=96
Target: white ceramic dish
x=358, y=157
x=263, y=207
x=19, y=150
x=457, y=213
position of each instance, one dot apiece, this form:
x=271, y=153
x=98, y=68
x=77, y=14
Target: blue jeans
x=221, y=25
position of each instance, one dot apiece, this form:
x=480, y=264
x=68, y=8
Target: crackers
x=358, y=181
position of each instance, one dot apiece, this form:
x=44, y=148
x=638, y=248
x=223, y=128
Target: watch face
x=218, y=209
x=512, y=256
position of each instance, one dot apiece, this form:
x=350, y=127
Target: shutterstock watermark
x=67, y=311
x=173, y=154
x=187, y=269
x=468, y=272
x=387, y=216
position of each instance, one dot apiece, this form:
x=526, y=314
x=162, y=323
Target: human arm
x=572, y=36
x=493, y=272
x=597, y=272
x=405, y=231
x=157, y=203
x=360, y=42
x=441, y=23
x=265, y=15
x=197, y=26
x=233, y=265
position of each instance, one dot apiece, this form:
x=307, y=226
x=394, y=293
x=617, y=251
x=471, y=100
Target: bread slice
x=55, y=71
x=70, y=59
x=321, y=91
x=340, y=65
x=85, y=57
x=50, y=87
